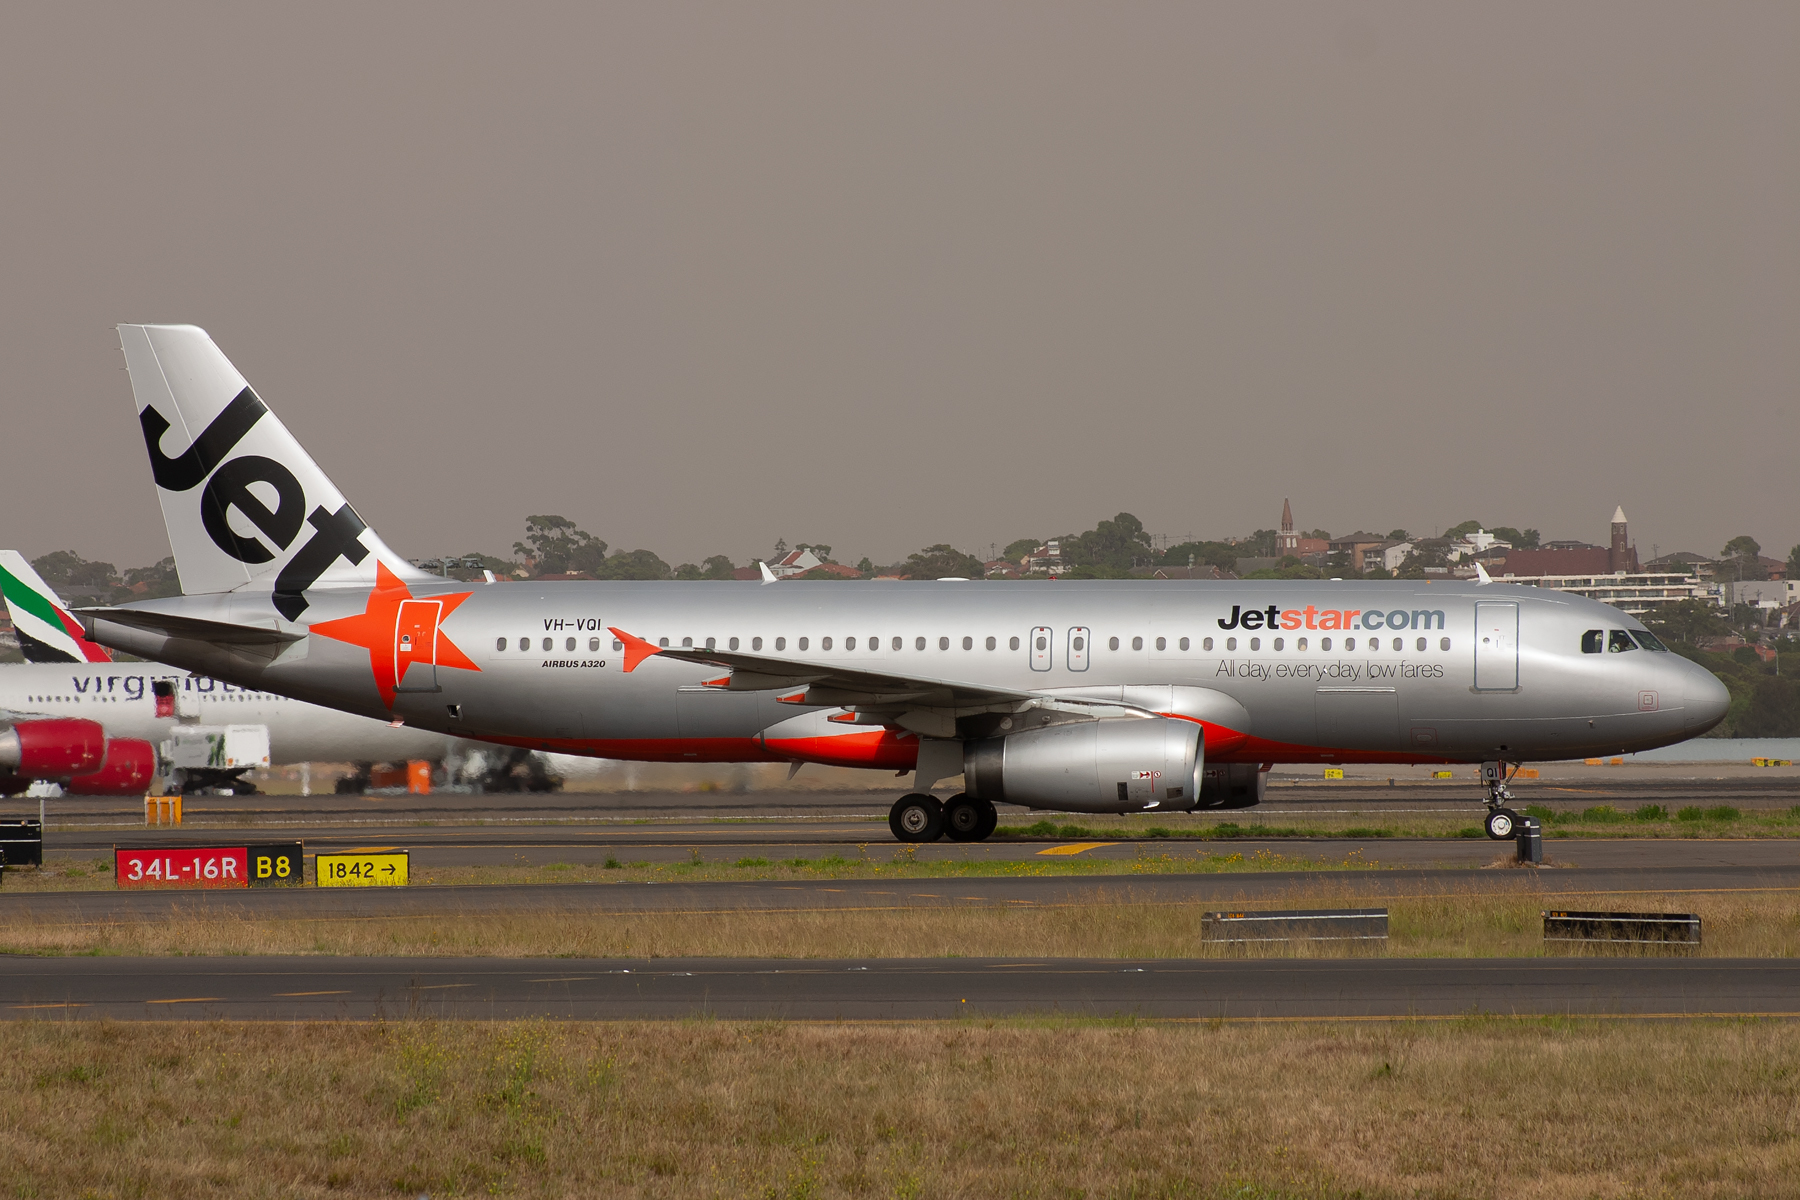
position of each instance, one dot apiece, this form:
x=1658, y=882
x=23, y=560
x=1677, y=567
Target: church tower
x=1287, y=542
x=1621, y=557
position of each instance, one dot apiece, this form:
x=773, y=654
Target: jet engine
x=1119, y=765
x=56, y=748
x=127, y=770
x=1232, y=785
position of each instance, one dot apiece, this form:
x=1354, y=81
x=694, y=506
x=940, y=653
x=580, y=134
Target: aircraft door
x=1040, y=648
x=1077, y=658
x=415, y=641
x=1496, y=646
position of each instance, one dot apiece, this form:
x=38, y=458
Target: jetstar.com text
x=1275, y=617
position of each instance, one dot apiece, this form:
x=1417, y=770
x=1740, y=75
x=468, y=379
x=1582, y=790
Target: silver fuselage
x=1393, y=688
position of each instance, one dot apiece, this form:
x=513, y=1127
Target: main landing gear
x=962, y=818
x=1502, y=823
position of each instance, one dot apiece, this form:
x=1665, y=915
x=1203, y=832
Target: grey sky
x=698, y=276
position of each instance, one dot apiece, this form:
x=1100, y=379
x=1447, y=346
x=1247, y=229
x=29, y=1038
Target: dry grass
x=1500, y=921
x=1481, y=1108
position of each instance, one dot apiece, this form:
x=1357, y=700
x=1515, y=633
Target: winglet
x=636, y=649
x=768, y=575
x=1481, y=575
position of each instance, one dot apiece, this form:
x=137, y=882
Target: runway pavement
x=888, y=989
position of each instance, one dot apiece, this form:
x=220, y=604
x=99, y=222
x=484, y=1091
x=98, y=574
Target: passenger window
x=1276, y=643
x=1231, y=643
x=1043, y=643
x=1593, y=641
x=1299, y=643
x=1618, y=641
x=898, y=643
x=1206, y=644
x=781, y=643
x=968, y=643
x=849, y=643
x=1112, y=643
x=547, y=643
x=687, y=643
x=1183, y=643
x=524, y=643
x=569, y=648
x=1349, y=643
x=991, y=643
x=1399, y=643
x=1137, y=643
x=1013, y=644
x=943, y=643
x=1324, y=643
x=1422, y=643
x=732, y=644
x=617, y=644
x=1162, y=643
x=875, y=643
x=824, y=643
x=918, y=643
x=711, y=644
x=593, y=645
x=1256, y=643
x=1443, y=643
x=1080, y=644
x=756, y=643
x=802, y=643
x=500, y=645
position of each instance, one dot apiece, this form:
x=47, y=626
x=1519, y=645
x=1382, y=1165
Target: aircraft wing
x=197, y=629
x=825, y=683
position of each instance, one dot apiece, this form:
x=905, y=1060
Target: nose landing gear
x=1502, y=822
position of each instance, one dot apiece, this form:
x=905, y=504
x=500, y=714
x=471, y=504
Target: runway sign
x=361, y=870
x=1300, y=924
x=1622, y=927
x=279, y=864
x=182, y=867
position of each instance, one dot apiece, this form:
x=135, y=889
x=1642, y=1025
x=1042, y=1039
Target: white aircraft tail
x=46, y=631
x=247, y=508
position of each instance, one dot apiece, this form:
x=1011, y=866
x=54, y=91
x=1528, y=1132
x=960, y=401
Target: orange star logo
x=398, y=631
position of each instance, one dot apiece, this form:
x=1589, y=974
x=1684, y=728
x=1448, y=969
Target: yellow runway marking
x=72, y=1004
x=1076, y=847
x=190, y=1000
x=339, y=992
x=436, y=987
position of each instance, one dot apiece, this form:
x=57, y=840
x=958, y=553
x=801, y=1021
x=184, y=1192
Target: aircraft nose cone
x=1704, y=699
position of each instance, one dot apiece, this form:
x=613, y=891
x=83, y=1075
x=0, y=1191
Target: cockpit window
x=1618, y=641
x=1648, y=640
x=1593, y=641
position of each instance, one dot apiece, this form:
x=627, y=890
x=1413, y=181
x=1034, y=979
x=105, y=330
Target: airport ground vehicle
x=1084, y=697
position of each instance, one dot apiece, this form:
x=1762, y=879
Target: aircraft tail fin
x=47, y=633
x=246, y=507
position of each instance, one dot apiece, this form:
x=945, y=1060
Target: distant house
x=832, y=571
x=1001, y=568
x=795, y=562
x=1046, y=559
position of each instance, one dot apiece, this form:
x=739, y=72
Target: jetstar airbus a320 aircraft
x=1083, y=697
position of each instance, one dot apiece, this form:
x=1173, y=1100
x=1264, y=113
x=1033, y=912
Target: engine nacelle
x=1121, y=765
x=1232, y=785
x=55, y=748
x=127, y=770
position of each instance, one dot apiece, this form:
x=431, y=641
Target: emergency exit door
x=1496, y=646
x=415, y=641
x=1040, y=647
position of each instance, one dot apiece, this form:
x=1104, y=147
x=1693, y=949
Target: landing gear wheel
x=1501, y=824
x=917, y=818
x=967, y=819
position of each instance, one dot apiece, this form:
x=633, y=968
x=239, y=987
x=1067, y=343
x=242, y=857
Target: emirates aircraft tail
x=47, y=633
x=247, y=508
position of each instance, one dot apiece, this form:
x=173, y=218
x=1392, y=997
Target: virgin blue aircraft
x=1082, y=696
